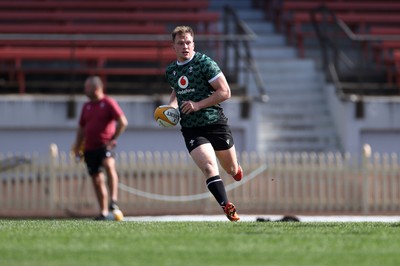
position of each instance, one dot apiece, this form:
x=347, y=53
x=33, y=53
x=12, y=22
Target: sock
x=216, y=186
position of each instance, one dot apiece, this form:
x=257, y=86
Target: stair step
x=289, y=65
x=237, y=4
x=261, y=27
x=293, y=92
x=292, y=96
x=270, y=53
x=271, y=40
x=294, y=112
x=298, y=134
x=293, y=106
x=250, y=14
x=296, y=123
x=293, y=76
x=285, y=120
x=296, y=117
x=299, y=99
x=288, y=87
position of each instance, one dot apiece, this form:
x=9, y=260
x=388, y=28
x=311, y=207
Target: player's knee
x=209, y=169
x=109, y=163
x=97, y=179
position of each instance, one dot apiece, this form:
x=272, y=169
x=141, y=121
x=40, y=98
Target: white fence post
x=323, y=182
x=53, y=163
x=365, y=165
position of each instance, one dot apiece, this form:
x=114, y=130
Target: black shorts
x=220, y=137
x=94, y=159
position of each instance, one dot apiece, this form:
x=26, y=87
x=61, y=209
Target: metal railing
x=163, y=183
x=233, y=25
x=346, y=57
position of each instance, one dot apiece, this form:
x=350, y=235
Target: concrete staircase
x=296, y=118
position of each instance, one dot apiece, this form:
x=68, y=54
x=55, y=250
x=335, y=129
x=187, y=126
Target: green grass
x=85, y=242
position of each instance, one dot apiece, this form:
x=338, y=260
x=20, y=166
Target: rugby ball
x=118, y=215
x=166, y=116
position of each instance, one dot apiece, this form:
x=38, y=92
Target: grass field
x=86, y=242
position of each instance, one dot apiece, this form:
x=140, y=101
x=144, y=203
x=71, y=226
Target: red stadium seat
x=144, y=56
x=93, y=60
x=396, y=56
x=102, y=5
x=361, y=21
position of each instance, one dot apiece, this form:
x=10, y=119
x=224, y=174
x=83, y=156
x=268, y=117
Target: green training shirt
x=191, y=81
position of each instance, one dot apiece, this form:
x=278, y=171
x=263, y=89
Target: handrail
x=332, y=54
x=364, y=37
x=232, y=22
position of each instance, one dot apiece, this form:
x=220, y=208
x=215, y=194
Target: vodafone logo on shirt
x=183, y=82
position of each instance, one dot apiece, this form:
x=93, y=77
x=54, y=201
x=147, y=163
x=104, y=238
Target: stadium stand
x=294, y=16
x=142, y=18
x=396, y=55
x=359, y=22
x=93, y=60
x=173, y=5
x=383, y=50
x=288, y=7
x=376, y=21
x=125, y=39
x=82, y=29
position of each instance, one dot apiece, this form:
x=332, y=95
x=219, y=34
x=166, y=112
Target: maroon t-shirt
x=98, y=120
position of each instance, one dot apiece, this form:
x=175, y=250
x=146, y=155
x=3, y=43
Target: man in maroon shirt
x=101, y=122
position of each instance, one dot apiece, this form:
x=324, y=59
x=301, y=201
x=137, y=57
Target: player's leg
x=93, y=160
x=205, y=159
x=229, y=162
x=100, y=188
x=112, y=175
x=203, y=155
x=222, y=140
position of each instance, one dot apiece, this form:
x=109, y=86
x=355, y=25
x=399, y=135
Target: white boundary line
x=253, y=218
x=200, y=196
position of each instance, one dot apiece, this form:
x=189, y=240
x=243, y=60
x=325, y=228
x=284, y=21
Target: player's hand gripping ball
x=166, y=116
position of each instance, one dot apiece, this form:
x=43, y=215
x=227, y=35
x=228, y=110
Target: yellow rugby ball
x=118, y=215
x=166, y=116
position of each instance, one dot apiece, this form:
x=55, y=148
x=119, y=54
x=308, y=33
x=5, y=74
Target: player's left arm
x=222, y=93
x=122, y=124
x=78, y=141
x=121, y=121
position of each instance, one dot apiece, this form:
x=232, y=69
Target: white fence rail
x=169, y=183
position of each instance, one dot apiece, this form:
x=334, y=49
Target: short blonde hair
x=181, y=30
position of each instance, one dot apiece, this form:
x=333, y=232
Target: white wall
x=379, y=127
x=32, y=123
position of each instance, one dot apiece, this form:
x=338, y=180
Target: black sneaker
x=101, y=217
x=113, y=206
